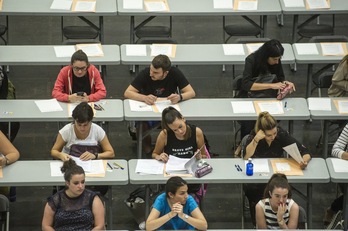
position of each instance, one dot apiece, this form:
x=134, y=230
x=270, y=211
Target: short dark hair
x=162, y=61
x=271, y=48
x=79, y=55
x=70, y=168
x=277, y=180
x=173, y=184
x=169, y=115
x=83, y=113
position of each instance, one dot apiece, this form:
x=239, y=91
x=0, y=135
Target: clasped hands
x=177, y=209
x=76, y=98
x=84, y=156
x=151, y=99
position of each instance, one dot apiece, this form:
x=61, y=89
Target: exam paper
x=306, y=49
x=139, y=106
x=293, y=151
x=243, y=107
x=223, y=4
x=274, y=108
x=293, y=3
x=319, y=104
x=339, y=165
x=260, y=165
x=61, y=5
x=147, y=167
x=342, y=106
x=332, y=49
x=64, y=51
x=247, y=5
x=55, y=168
x=165, y=49
x=133, y=4
x=155, y=6
x=176, y=164
x=317, y=4
x=252, y=47
x=48, y=105
x=161, y=104
x=233, y=49
x=136, y=50
x=92, y=49
x=85, y=6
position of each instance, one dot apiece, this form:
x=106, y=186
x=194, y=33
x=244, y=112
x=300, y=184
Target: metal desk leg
x=345, y=210
x=101, y=28
x=309, y=204
x=243, y=202
x=291, y=127
x=264, y=26
x=294, y=28
x=309, y=80
x=147, y=201
x=139, y=139
x=325, y=138
x=109, y=208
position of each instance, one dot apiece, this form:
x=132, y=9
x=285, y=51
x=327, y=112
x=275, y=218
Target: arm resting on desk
x=9, y=152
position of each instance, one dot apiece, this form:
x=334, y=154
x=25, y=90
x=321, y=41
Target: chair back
x=325, y=81
x=302, y=218
x=329, y=38
x=252, y=40
x=151, y=40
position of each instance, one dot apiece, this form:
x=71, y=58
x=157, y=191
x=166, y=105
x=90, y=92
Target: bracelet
x=7, y=160
x=256, y=141
x=181, y=98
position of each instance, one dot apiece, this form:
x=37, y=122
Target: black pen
x=118, y=165
x=101, y=107
x=110, y=166
x=237, y=167
x=240, y=169
x=285, y=104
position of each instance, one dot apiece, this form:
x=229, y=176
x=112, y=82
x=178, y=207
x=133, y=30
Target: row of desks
x=195, y=109
x=319, y=171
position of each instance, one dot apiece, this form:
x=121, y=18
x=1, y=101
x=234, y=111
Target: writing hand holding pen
x=150, y=99
x=162, y=157
x=174, y=98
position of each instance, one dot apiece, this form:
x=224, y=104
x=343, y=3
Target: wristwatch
x=7, y=160
x=186, y=216
x=281, y=222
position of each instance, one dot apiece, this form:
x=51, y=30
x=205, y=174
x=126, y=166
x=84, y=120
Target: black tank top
x=181, y=148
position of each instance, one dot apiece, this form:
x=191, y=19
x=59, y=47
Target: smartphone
x=80, y=93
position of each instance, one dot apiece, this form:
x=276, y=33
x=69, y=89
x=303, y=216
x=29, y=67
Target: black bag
x=136, y=204
x=269, y=93
x=78, y=149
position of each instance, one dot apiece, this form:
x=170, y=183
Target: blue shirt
x=176, y=223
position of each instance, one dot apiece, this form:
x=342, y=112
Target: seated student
x=79, y=82
x=160, y=80
x=84, y=139
x=73, y=208
x=277, y=210
x=267, y=141
x=339, y=85
x=266, y=63
x=339, y=150
x=179, y=139
x=175, y=209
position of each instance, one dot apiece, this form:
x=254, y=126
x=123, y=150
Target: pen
x=285, y=104
x=110, y=166
x=118, y=165
x=240, y=169
x=101, y=107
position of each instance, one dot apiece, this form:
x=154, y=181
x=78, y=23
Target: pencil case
x=284, y=92
x=204, y=170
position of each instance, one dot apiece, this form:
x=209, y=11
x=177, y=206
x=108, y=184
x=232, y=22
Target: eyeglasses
x=80, y=68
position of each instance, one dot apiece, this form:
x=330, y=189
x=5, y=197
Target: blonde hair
x=265, y=122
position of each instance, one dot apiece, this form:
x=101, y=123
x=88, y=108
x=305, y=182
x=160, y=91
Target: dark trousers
x=254, y=193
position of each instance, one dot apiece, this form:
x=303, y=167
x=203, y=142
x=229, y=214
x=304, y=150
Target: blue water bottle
x=249, y=167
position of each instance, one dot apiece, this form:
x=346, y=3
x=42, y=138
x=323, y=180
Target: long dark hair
x=169, y=115
x=173, y=184
x=277, y=180
x=272, y=48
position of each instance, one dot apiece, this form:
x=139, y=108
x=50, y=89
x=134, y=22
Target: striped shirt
x=340, y=145
x=271, y=216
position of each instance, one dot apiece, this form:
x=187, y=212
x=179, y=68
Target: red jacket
x=63, y=85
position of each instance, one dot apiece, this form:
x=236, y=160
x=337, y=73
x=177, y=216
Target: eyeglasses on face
x=80, y=68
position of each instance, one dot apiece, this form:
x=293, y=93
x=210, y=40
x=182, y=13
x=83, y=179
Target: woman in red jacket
x=79, y=82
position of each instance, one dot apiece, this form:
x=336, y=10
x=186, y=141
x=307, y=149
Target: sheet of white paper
x=149, y=167
x=86, y=165
x=85, y=6
x=48, y=105
x=243, y=107
x=247, y=5
x=319, y=104
x=317, y=4
x=163, y=104
x=274, y=108
x=252, y=47
x=293, y=151
x=133, y=4
x=282, y=167
x=136, y=50
x=233, y=49
x=162, y=50
x=332, y=48
x=97, y=167
x=293, y=3
x=339, y=165
x=61, y=5
x=55, y=168
x=343, y=106
x=139, y=106
x=176, y=164
x=223, y=4
x=306, y=49
x=155, y=6
x=64, y=51
x=260, y=165
x=91, y=49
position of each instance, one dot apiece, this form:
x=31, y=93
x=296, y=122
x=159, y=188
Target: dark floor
x=34, y=140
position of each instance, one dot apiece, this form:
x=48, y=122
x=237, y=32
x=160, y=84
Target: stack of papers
x=233, y=49
x=49, y=105
x=293, y=3
x=156, y=5
x=223, y=4
x=272, y=107
x=339, y=165
x=136, y=50
x=133, y=4
x=252, y=47
x=342, y=106
x=149, y=167
x=243, y=107
x=319, y=104
x=91, y=50
x=246, y=5
x=306, y=49
x=84, y=5
x=163, y=49
x=333, y=49
x=317, y=4
x=61, y=5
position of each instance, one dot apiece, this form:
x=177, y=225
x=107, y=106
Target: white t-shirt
x=95, y=136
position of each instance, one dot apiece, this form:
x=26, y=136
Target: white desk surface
x=224, y=171
x=316, y=59
x=28, y=55
x=221, y=109
x=203, y=7
x=200, y=54
x=336, y=7
x=42, y=8
x=25, y=110
x=329, y=115
x=38, y=173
